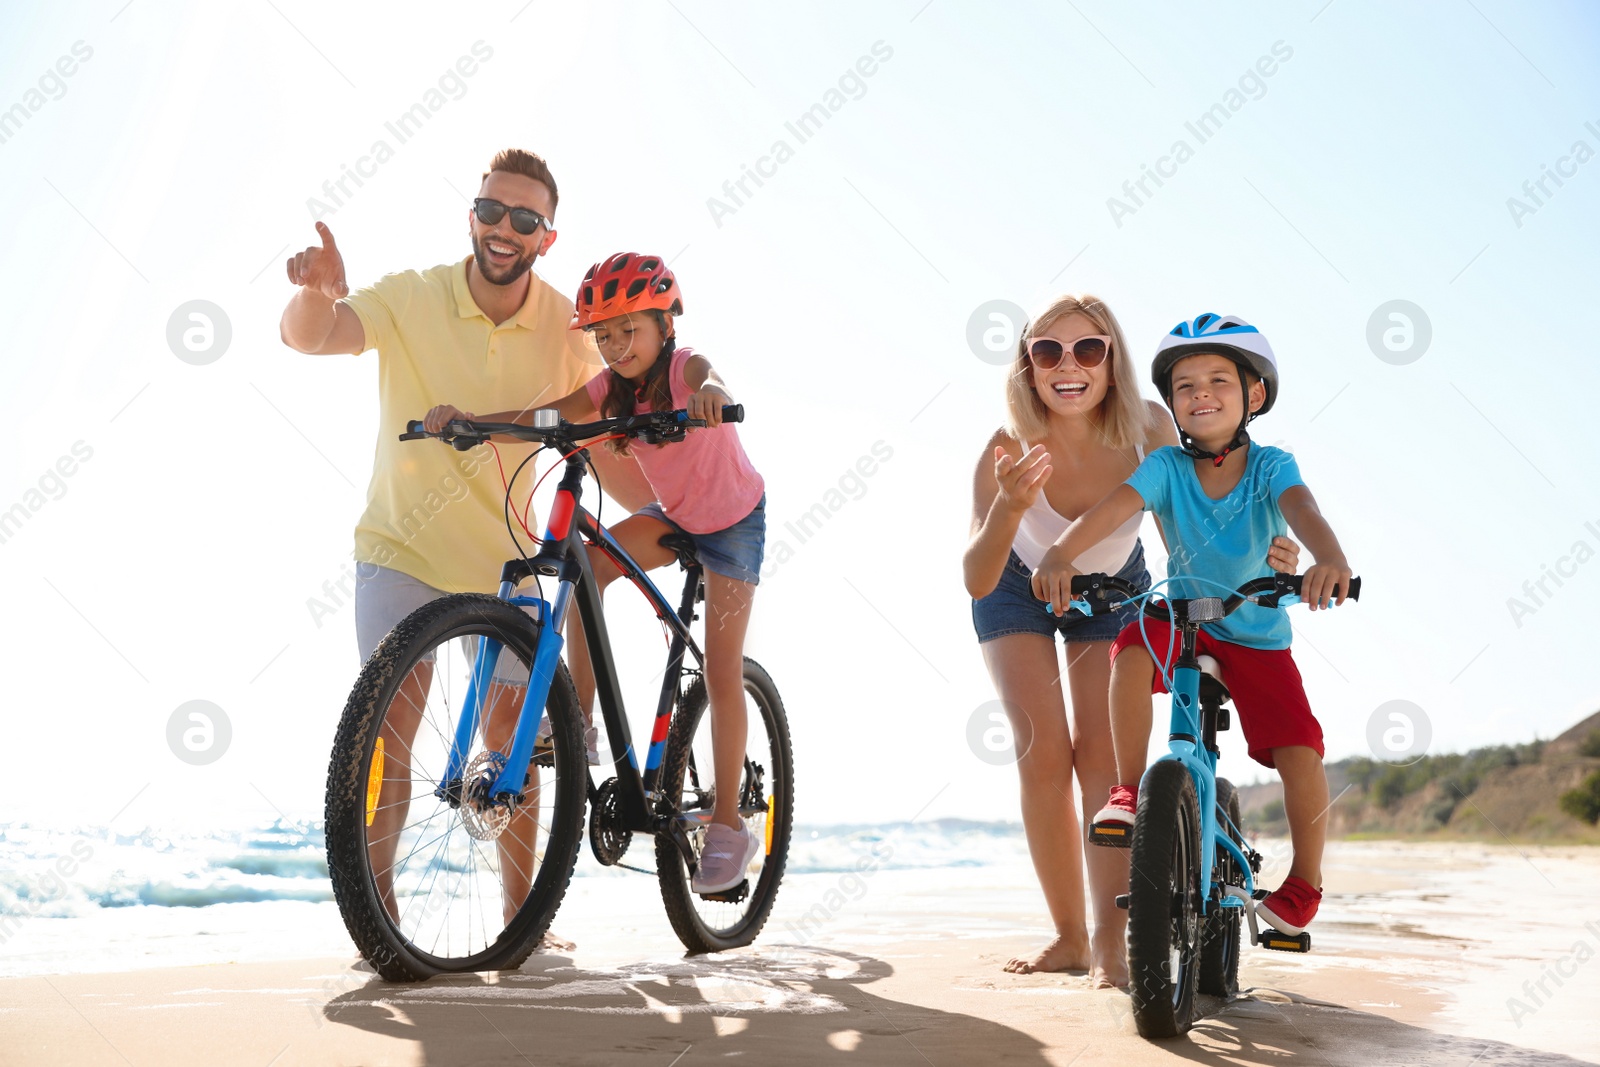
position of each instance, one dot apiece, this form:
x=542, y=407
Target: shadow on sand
x=783, y=1005
x=794, y=1004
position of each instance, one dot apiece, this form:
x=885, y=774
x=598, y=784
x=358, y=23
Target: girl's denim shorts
x=1013, y=609
x=735, y=552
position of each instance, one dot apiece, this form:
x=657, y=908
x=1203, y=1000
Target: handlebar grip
x=414, y=431
x=1355, y=586
x=733, y=413
x=1085, y=584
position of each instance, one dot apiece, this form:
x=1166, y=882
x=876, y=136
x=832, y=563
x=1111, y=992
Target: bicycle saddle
x=683, y=546
x=1212, y=691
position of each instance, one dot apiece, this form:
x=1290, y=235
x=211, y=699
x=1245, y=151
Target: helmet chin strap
x=1240, y=438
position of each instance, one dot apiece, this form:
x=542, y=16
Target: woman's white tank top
x=1042, y=525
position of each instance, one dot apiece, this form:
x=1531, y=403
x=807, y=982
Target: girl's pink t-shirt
x=705, y=482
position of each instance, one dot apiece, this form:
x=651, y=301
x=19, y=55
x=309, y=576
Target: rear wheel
x=1219, y=950
x=433, y=879
x=1164, y=902
x=766, y=802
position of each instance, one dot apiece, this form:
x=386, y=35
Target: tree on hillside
x=1584, y=801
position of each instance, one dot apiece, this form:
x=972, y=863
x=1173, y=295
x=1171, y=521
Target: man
x=486, y=331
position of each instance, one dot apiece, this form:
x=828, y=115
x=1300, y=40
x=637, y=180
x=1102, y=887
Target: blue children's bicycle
x=1191, y=879
x=453, y=828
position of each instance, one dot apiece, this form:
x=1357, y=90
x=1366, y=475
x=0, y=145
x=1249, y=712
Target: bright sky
x=165, y=153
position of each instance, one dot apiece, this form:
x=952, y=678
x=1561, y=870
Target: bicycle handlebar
x=652, y=427
x=1097, y=590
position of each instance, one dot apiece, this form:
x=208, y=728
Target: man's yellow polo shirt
x=432, y=512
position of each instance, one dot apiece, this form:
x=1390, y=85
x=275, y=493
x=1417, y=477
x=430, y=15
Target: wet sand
x=1425, y=954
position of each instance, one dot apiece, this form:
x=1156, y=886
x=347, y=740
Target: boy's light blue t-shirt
x=1225, y=540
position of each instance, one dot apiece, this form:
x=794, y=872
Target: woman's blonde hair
x=1124, y=418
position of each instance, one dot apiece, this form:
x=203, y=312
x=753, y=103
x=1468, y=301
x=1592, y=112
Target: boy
x=1220, y=500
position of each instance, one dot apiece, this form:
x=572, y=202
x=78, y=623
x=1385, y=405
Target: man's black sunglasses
x=523, y=220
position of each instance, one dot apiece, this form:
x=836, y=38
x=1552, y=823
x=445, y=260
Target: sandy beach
x=1425, y=954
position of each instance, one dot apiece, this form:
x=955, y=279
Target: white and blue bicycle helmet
x=1232, y=338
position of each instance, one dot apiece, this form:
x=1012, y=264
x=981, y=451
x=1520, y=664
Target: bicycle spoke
x=451, y=871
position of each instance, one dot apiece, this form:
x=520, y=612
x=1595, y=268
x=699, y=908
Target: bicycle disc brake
x=608, y=840
x=483, y=817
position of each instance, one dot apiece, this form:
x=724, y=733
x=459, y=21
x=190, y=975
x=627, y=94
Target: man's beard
x=501, y=275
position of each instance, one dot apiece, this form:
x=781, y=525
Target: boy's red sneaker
x=1113, y=824
x=1291, y=909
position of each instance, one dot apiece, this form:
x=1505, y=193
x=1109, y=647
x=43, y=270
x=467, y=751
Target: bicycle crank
x=608, y=839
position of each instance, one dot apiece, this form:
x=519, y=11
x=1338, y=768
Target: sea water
x=85, y=898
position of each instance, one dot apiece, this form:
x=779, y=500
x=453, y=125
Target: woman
x=1076, y=428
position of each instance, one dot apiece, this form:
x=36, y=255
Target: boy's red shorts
x=1264, y=683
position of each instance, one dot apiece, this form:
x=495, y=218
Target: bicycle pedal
x=1275, y=939
x=1114, y=834
x=1259, y=894
x=1122, y=901
x=730, y=896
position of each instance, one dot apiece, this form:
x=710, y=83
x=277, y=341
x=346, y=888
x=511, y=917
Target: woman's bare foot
x=1061, y=954
x=1108, y=961
x=552, y=942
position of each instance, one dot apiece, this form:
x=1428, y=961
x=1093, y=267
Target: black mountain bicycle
x=451, y=843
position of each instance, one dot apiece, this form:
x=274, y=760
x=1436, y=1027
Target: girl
x=1075, y=429
x=705, y=487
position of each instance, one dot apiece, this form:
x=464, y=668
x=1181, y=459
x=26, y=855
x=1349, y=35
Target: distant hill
x=1490, y=794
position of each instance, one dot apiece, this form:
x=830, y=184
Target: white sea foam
x=75, y=897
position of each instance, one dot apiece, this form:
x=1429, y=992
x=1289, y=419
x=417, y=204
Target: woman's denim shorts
x=1013, y=609
x=734, y=552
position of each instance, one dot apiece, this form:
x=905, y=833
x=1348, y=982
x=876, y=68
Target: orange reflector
x=374, y=781
x=1283, y=944
x=772, y=813
x=1113, y=830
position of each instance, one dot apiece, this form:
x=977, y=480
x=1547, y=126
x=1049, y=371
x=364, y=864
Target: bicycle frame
x=1193, y=743
x=565, y=557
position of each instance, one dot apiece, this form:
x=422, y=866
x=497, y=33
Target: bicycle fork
x=507, y=788
x=1189, y=744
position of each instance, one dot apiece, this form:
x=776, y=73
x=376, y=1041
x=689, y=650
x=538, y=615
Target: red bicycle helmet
x=624, y=283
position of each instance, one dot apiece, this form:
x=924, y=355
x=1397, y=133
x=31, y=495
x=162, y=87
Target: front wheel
x=431, y=873
x=766, y=803
x=1164, y=902
x=1219, y=953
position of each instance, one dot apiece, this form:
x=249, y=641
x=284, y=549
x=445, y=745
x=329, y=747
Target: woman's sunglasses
x=1047, y=353
x=523, y=220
